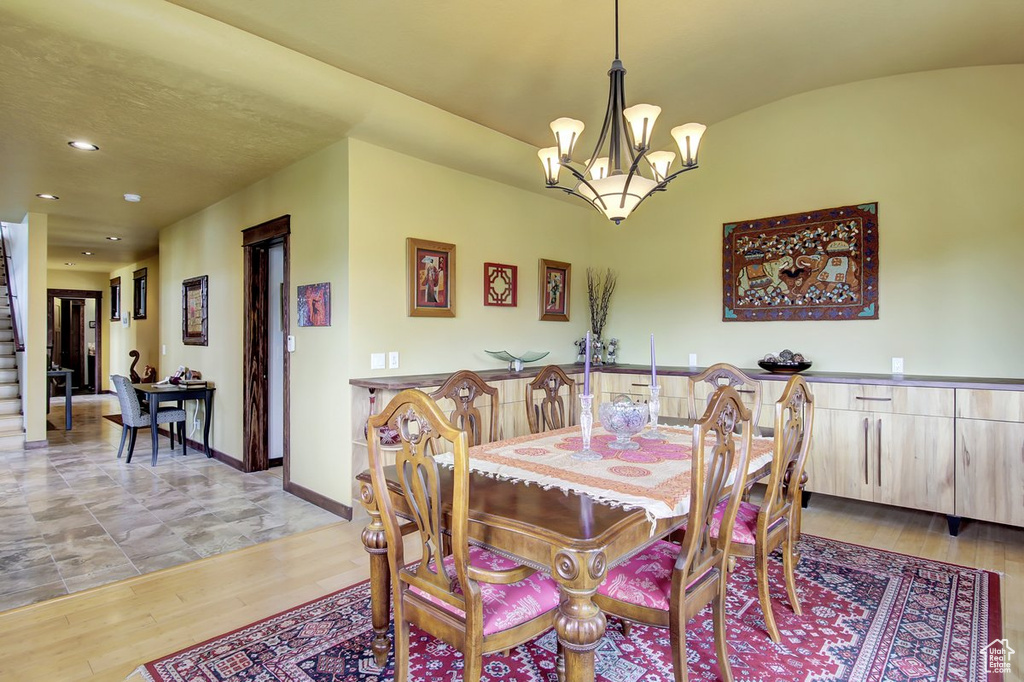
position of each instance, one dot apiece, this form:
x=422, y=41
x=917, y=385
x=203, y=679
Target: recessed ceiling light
x=82, y=145
x=87, y=253
x=114, y=239
x=69, y=264
x=134, y=198
x=51, y=197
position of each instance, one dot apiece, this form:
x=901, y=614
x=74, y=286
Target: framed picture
x=501, y=285
x=194, y=311
x=813, y=265
x=315, y=305
x=555, y=278
x=430, y=269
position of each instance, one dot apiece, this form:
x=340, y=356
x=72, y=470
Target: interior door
x=275, y=354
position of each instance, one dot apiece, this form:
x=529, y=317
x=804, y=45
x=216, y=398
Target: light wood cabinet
x=990, y=455
x=887, y=444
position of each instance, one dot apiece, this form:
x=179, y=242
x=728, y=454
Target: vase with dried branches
x=600, y=287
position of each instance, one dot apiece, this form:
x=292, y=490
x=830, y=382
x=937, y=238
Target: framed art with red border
x=555, y=279
x=431, y=277
x=501, y=285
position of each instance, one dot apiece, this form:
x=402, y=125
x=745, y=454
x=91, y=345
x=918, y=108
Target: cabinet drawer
x=1003, y=406
x=934, y=402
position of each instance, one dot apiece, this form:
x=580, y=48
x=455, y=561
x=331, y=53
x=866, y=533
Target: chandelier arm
x=609, y=116
x=679, y=172
x=579, y=176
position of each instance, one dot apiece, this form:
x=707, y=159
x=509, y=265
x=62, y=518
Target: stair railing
x=19, y=345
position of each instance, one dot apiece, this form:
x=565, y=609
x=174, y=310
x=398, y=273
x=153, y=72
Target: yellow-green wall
x=141, y=335
x=941, y=154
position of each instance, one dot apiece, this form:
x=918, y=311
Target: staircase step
x=10, y=405
x=9, y=391
x=8, y=376
x=11, y=423
x=8, y=362
x=6, y=348
x=14, y=441
x=6, y=334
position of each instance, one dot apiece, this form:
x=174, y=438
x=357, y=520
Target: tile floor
x=73, y=516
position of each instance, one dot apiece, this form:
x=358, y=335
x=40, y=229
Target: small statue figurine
x=613, y=350
x=581, y=349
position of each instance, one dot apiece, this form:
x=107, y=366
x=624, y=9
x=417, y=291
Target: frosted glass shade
x=641, y=118
x=549, y=159
x=599, y=169
x=567, y=131
x=660, y=163
x=617, y=205
x=688, y=138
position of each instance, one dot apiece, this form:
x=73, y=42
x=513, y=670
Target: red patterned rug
x=868, y=615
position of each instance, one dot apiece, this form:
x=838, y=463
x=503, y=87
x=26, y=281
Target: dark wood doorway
x=264, y=355
x=70, y=347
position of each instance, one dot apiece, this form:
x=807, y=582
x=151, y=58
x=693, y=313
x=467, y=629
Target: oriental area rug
x=869, y=615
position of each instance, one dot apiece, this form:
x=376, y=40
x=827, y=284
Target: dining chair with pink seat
x=667, y=584
x=760, y=529
x=475, y=600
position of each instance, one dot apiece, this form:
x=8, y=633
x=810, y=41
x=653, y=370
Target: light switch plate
x=897, y=365
x=393, y=359
x=376, y=361
x=693, y=359
x=291, y=343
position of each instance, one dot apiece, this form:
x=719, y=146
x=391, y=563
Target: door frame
x=256, y=243
x=97, y=296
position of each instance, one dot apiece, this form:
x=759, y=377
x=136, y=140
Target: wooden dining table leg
x=580, y=623
x=376, y=543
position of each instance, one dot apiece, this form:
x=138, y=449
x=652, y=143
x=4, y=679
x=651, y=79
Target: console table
x=160, y=393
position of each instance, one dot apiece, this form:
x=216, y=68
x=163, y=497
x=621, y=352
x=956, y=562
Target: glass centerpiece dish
x=515, y=364
x=625, y=419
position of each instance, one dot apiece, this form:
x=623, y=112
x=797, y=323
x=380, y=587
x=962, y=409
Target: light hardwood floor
x=106, y=632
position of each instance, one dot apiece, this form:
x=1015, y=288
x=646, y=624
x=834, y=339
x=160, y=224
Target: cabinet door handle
x=877, y=400
x=641, y=385
x=879, y=453
x=745, y=390
x=867, y=481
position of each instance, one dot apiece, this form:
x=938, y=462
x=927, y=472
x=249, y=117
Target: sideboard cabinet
x=990, y=455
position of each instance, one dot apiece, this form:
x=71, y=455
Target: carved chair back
x=724, y=374
x=551, y=412
x=463, y=388
x=720, y=459
x=794, y=417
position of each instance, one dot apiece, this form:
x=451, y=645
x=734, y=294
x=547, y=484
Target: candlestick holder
x=654, y=405
x=586, y=427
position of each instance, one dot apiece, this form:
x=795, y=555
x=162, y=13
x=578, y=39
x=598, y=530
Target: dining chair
x=667, y=584
x=475, y=600
x=551, y=412
x=761, y=529
x=724, y=374
x=133, y=417
x=463, y=388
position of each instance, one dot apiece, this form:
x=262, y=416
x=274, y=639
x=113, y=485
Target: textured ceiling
x=195, y=99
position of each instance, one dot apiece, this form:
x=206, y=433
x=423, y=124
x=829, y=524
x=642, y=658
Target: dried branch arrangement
x=599, y=292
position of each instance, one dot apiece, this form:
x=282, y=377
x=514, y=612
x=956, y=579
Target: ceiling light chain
x=615, y=191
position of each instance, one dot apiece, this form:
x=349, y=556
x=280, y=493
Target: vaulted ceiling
x=192, y=100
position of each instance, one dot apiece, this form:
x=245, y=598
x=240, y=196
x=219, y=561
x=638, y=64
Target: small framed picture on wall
x=554, y=282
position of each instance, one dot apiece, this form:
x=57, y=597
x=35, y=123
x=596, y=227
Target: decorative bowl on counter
x=786, y=362
x=625, y=419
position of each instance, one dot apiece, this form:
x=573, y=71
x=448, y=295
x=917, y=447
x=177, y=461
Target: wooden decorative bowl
x=778, y=368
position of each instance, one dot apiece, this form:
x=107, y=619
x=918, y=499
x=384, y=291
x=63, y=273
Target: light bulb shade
x=549, y=159
x=611, y=199
x=660, y=163
x=567, y=131
x=599, y=169
x=641, y=118
x=688, y=138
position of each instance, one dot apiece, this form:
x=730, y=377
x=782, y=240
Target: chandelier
x=615, y=186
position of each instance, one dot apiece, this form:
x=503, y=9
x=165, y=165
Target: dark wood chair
x=724, y=374
x=667, y=584
x=761, y=529
x=551, y=412
x=463, y=388
x=467, y=596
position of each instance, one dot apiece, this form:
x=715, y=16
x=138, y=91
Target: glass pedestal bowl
x=625, y=419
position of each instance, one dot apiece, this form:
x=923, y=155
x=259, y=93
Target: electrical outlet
x=393, y=359
x=897, y=365
x=693, y=359
x=376, y=361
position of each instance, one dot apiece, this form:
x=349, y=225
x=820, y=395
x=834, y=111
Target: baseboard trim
x=322, y=501
x=36, y=444
x=196, y=446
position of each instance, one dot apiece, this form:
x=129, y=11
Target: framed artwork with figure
x=554, y=283
x=194, y=311
x=314, y=305
x=430, y=269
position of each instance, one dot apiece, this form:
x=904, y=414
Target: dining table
x=178, y=393
x=530, y=500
